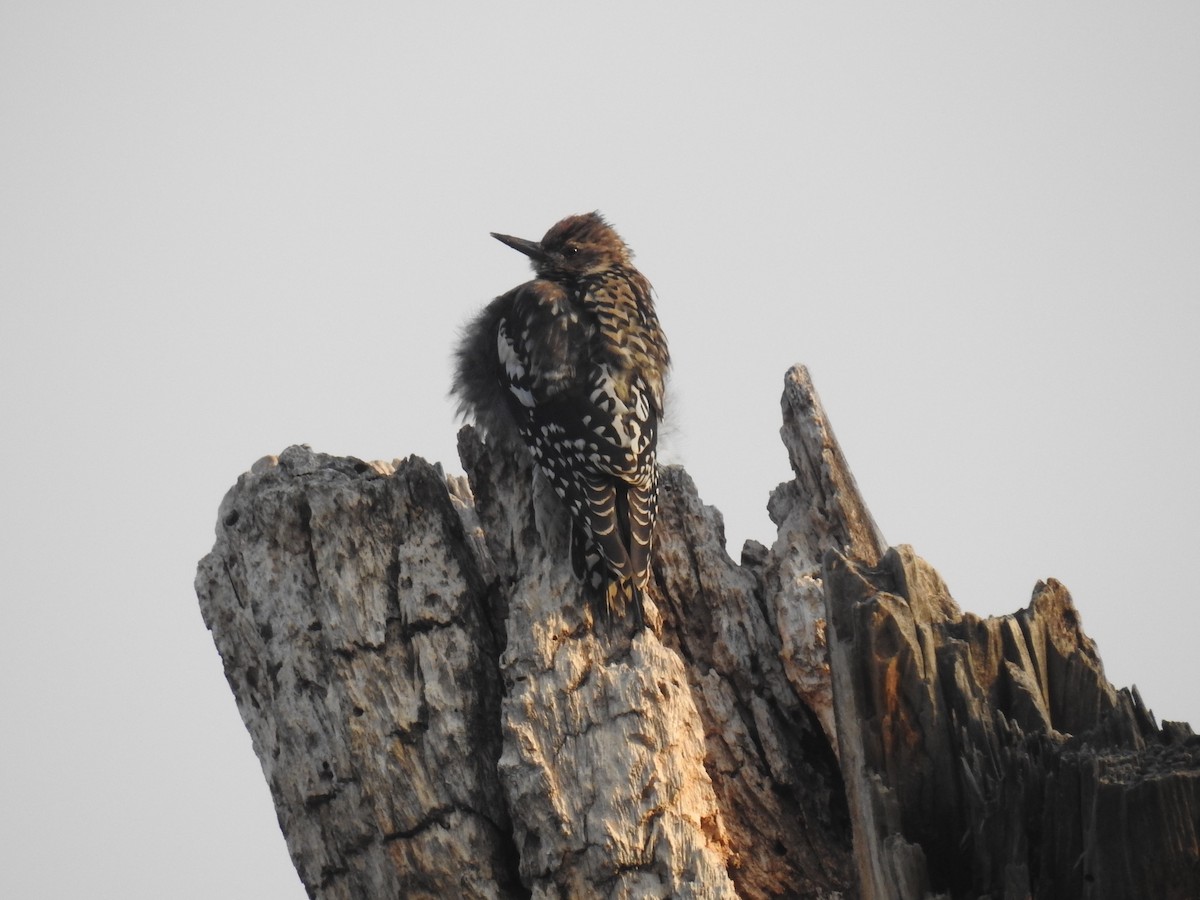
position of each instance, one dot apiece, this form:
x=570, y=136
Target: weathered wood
x=347, y=610
x=439, y=713
x=425, y=686
x=991, y=757
x=603, y=763
x=819, y=510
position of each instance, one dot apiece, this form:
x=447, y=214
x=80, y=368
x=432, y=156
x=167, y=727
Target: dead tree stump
x=438, y=714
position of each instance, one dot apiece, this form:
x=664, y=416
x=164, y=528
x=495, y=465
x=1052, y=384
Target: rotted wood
x=991, y=757
x=439, y=713
x=347, y=610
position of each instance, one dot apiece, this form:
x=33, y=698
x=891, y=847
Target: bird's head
x=576, y=246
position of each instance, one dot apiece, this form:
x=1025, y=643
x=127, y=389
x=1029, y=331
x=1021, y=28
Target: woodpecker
x=575, y=363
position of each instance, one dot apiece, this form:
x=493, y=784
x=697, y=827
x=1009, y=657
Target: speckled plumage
x=574, y=363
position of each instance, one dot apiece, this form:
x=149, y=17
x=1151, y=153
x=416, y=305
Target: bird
x=574, y=363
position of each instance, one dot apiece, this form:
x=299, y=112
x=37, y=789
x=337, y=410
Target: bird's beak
x=532, y=249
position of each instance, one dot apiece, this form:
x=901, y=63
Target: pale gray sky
x=229, y=227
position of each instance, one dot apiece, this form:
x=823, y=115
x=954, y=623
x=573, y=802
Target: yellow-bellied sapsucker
x=575, y=362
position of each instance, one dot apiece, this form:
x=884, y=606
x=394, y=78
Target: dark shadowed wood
x=991, y=757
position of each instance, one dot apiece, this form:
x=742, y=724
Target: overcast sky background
x=230, y=227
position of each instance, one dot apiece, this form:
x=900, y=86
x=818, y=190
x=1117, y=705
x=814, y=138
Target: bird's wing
x=542, y=344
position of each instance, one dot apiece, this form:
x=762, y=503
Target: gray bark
x=439, y=713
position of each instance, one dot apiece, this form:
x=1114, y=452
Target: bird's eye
x=572, y=250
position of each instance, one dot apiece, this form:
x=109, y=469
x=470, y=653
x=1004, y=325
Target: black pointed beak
x=532, y=249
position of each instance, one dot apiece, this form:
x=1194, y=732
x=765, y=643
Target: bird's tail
x=610, y=543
